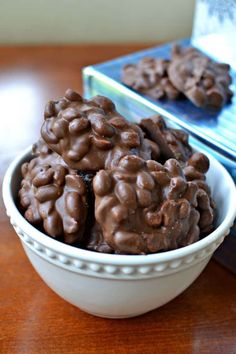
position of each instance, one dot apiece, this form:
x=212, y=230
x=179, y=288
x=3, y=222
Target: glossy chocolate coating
x=195, y=170
x=145, y=207
x=90, y=134
x=133, y=205
x=149, y=76
x=172, y=143
x=96, y=242
x=53, y=196
x=203, y=81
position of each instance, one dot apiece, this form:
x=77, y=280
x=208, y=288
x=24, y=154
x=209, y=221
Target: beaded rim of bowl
x=111, y=270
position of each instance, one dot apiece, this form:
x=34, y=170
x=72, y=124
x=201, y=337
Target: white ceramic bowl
x=119, y=286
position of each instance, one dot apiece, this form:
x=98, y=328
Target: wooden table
x=35, y=320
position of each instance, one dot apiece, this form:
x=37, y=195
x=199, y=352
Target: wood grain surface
x=35, y=320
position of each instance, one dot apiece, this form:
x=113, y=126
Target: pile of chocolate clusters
x=190, y=73
x=100, y=182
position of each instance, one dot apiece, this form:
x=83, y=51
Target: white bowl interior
x=221, y=191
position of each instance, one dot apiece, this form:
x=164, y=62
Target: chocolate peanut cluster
x=99, y=182
x=146, y=207
x=189, y=72
x=149, y=76
x=53, y=196
x=203, y=81
x=90, y=134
